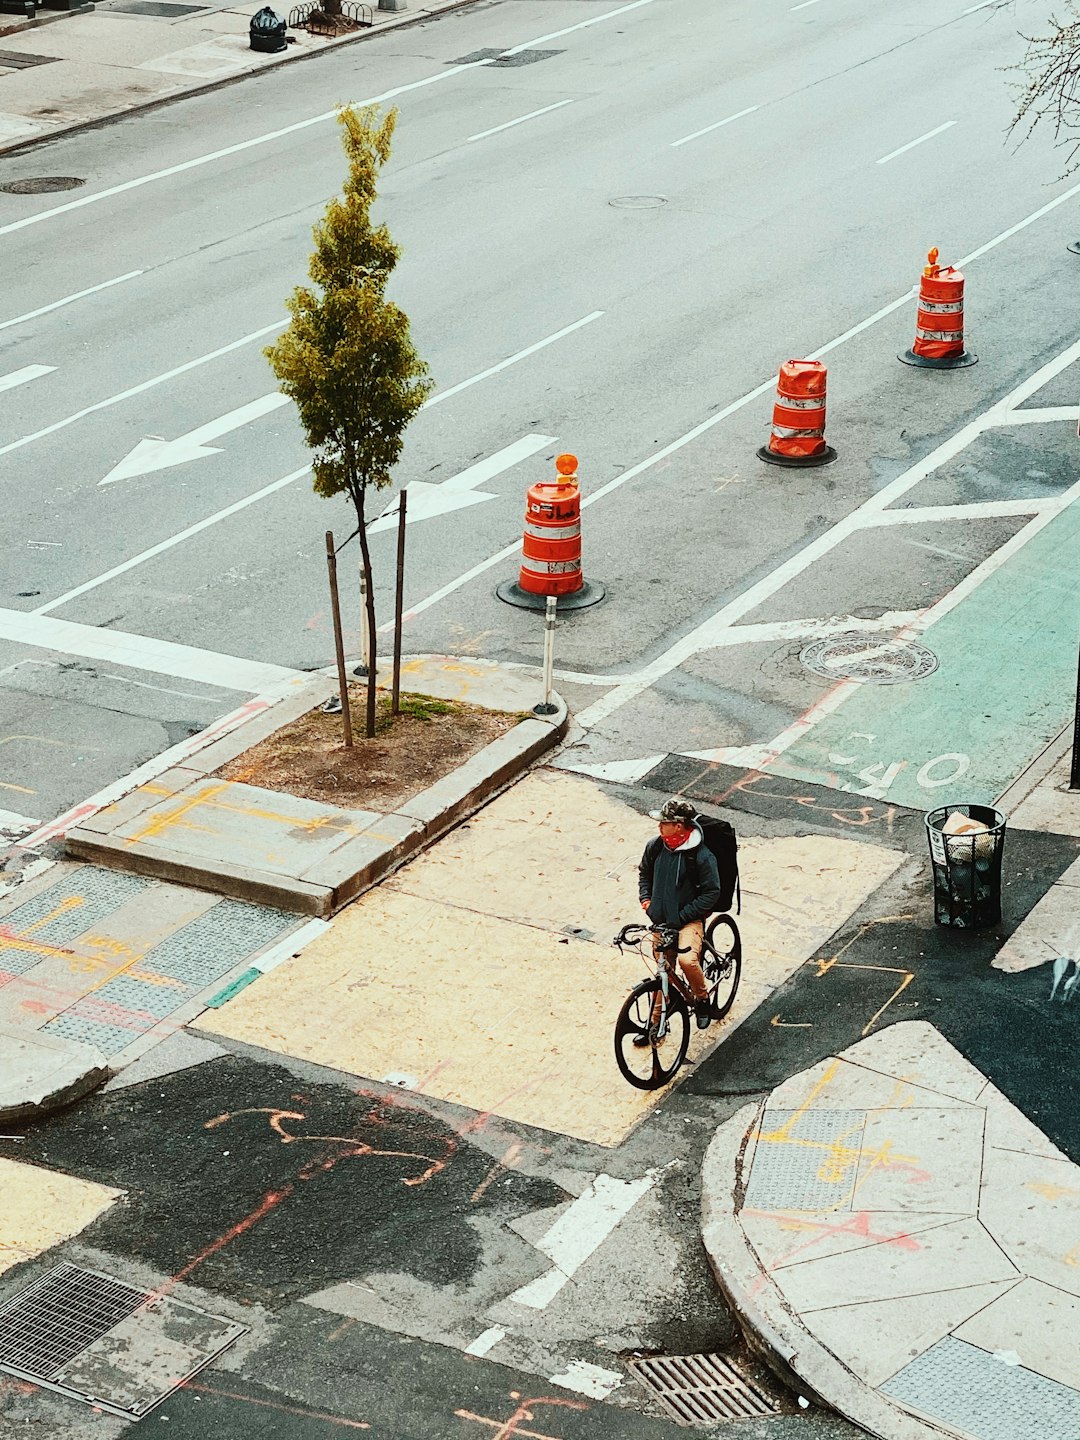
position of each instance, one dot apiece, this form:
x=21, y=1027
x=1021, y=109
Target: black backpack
x=720, y=838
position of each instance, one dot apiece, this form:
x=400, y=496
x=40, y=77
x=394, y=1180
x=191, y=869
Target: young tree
x=1048, y=91
x=347, y=358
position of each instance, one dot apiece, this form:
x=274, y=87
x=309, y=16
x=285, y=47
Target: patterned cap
x=677, y=812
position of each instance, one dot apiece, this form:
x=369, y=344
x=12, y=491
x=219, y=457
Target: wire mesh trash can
x=966, y=844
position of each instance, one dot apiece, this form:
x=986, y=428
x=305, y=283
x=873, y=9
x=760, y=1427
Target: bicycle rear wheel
x=722, y=964
x=648, y=1067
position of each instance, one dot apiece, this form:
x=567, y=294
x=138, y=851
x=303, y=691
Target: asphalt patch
x=775, y=797
x=245, y=1182
x=1005, y=1024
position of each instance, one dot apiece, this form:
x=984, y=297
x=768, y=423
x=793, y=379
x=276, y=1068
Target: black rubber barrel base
x=797, y=462
x=950, y=362
x=513, y=594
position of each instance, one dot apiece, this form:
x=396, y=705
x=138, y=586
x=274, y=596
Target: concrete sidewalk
x=904, y=1242
x=60, y=71
x=895, y=1235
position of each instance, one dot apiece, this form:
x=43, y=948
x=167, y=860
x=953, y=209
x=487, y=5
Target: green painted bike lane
x=1004, y=688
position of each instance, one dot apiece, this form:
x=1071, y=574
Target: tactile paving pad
x=971, y=1390
x=806, y=1160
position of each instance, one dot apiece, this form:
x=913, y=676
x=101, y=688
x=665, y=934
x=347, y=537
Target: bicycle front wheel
x=722, y=963
x=651, y=1063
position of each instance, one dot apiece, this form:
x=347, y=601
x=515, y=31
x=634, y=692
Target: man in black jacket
x=679, y=886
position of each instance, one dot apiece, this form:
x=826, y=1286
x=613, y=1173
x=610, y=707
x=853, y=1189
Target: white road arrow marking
x=426, y=501
x=20, y=377
x=154, y=454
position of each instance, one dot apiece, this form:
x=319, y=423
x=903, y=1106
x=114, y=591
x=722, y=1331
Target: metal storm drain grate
x=98, y=1340
x=700, y=1389
x=865, y=657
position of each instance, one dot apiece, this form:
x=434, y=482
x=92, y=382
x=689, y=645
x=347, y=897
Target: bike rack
x=312, y=18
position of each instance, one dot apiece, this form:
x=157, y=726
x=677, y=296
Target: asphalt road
x=611, y=239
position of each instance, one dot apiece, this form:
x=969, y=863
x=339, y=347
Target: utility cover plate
x=872, y=658
x=97, y=1340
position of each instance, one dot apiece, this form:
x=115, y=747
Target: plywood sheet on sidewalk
x=457, y=975
x=39, y=1208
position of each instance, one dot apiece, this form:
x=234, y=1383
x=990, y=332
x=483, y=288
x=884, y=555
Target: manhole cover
x=23, y=60
x=700, y=1389
x=105, y=1343
x=638, y=202
x=42, y=184
x=863, y=657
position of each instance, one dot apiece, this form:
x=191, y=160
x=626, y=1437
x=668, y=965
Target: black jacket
x=682, y=885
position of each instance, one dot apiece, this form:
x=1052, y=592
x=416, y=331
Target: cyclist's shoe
x=703, y=1011
x=641, y=1040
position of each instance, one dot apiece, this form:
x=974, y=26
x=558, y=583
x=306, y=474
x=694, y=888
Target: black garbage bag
x=267, y=32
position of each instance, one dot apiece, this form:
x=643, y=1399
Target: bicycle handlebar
x=631, y=934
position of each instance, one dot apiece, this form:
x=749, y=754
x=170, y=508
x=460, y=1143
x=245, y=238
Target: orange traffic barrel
x=551, y=546
x=939, y=325
x=798, y=424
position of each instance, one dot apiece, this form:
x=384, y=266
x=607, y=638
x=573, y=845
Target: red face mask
x=679, y=837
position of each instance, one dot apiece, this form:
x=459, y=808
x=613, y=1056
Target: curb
x=771, y=1328
x=143, y=107
x=387, y=843
x=42, y=1073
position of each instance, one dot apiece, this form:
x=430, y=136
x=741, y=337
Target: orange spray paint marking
x=505, y=1428
x=276, y=1405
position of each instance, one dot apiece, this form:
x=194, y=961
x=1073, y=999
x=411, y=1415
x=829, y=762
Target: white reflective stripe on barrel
x=550, y=567
x=800, y=402
x=921, y=334
x=553, y=532
x=786, y=432
x=942, y=307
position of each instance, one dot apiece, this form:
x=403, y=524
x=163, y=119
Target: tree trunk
x=369, y=615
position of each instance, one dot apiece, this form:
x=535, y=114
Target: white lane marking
x=20, y=377
x=145, y=385
x=765, y=388
x=486, y=1341
x=150, y=455
x=912, y=143
x=442, y=395
x=12, y=826
x=199, y=160
x=168, y=544
x=581, y=25
x=1039, y=417
x=275, y=485
x=67, y=300
x=803, y=6
x=710, y=128
x=625, y=772
x=579, y=1231
x=426, y=501
x=979, y=510
x=140, y=652
x=509, y=124
x=705, y=634
x=587, y=1379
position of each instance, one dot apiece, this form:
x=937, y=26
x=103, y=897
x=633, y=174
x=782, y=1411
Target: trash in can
x=267, y=32
x=966, y=843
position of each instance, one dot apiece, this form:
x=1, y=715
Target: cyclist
x=679, y=887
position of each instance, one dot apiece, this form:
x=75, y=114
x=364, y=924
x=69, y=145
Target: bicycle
x=649, y=1066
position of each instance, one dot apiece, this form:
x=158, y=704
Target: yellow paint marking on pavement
x=19, y=789
x=40, y=1208
x=166, y=818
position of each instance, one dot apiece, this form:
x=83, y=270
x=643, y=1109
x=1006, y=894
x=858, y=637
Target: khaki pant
x=691, y=939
